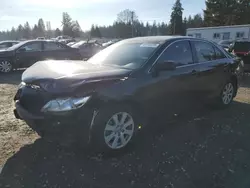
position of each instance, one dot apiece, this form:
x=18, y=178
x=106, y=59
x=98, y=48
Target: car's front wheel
x=5, y=66
x=114, y=128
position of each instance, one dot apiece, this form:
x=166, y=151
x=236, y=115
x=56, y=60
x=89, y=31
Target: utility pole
x=174, y=25
x=132, y=23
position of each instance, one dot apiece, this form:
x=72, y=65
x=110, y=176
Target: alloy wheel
x=227, y=94
x=5, y=66
x=119, y=130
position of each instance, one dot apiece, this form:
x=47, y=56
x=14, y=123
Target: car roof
x=241, y=41
x=155, y=39
x=9, y=41
x=38, y=40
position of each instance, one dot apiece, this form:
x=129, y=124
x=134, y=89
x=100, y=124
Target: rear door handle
x=194, y=72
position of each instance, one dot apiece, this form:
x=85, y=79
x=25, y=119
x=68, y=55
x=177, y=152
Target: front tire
x=114, y=128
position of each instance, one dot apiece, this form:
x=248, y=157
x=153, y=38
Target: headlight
x=67, y=104
x=22, y=84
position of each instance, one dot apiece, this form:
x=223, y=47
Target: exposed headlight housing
x=64, y=105
x=55, y=86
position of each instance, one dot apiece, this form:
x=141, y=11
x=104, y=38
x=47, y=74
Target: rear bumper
x=68, y=126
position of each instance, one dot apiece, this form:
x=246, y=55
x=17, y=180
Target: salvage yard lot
x=201, y=148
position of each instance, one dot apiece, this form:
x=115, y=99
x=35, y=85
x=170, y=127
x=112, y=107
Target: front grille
x=32, y=100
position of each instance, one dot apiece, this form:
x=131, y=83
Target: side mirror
x=21, y=50
x=165, y=66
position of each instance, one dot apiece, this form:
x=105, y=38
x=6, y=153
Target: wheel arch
x=234, y=79
x=135, y=106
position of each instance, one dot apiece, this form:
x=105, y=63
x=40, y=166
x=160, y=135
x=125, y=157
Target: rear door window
x=219, y=54
x=50, y=46
x=204, y=51
x=32, y=47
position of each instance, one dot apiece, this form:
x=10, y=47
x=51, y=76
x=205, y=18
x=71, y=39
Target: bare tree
x=128, y=17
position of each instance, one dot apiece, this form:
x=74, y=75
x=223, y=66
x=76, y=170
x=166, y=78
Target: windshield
x=78, y=44
x=126, y=55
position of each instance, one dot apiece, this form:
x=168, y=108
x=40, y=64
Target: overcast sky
x=87, y=12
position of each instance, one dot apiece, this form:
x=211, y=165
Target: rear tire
x=5, y=66
x=227, y=94
x=113, y=129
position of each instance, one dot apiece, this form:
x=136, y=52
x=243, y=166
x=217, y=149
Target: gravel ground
x=199, y=149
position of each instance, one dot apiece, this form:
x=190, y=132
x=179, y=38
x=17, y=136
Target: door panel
x=213, y=65
x=213, y=76
x=173, y=90
x=28, y=54
x=56, y=50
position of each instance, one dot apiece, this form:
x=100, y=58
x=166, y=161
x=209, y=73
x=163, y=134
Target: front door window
x=179, y=53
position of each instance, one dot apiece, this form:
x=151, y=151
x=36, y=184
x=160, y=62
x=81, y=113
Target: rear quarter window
x=204, y=51
x=218, y=53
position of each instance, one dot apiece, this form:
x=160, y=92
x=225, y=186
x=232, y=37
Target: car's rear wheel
x=114, y=128
x=227, y=93
x=5, y=66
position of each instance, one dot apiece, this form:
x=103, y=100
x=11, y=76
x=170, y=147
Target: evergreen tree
x=92, y=31
x=67, y=24
x=49, y=32
x=27, y=31
x=35, y=31
x=197, y=21
x=98, y=33
x=176, y=19
x=95, y=31
x=76, y=29
x=13, y=34
x=221, y=12
x=41, y=28
x=154, y=29
x=194, y=22
x=147, y=29
x=20, y=31
x=58, y=32
x=164, y=29
x=243, y=10
x=185, y=25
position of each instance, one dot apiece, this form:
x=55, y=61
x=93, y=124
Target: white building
x=217, y=34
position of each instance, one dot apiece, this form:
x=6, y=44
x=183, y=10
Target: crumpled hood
x=73, y=70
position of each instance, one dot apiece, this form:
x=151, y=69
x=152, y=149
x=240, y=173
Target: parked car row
x=105, y=101
x=16, y=54
x=25, y=54
x=239, y=48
